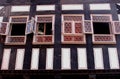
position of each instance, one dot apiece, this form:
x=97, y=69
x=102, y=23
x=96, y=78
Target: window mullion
x=73, y=27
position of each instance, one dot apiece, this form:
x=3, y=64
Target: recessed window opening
x=45, y=28
x=101, y=27
x=18, y=29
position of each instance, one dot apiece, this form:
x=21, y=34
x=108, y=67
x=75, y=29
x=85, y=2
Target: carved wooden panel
x=78, y=38
x=78, y=28
x=101, y=18
x=67, y=27
x=73, y=18
x=117, y=27
x=44, y=19
x=15, y=40
x=88, y=26
x=19, y=19
x=43, y=39
x=68, y=38
x=104, y=39
x=3, y=28
x=75, y=39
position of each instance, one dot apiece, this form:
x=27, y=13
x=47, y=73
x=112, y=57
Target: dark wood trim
x=12, y=58
x=105, y=58
x=57, y=37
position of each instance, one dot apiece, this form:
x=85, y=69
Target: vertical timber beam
x=28, y=47
x=57, y=37
x=89, y=44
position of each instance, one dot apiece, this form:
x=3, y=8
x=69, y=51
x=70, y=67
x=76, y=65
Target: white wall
x=103, y=6
x=5, y=59
x=98, y=58
x=72, y=7
x=65, y=58
x=113, y=58
x=45, y=7
x=82, y=58
x=19, y=59
x=35, y=59
x=23, y=8
x=49, y=58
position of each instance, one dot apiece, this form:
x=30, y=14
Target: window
x=45, y=28
x=44, y=33
x=72, y=29
x=16, y=31
x=103, y=29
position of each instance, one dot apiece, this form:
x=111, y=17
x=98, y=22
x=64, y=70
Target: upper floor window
x=16, y=31
x=103, y=29
x=98, y=28
x=72, y=29
x=44, y=29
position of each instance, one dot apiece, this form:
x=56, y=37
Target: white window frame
x=35, y=32
x=110, y=28
x=73, y=29
x=10, y=29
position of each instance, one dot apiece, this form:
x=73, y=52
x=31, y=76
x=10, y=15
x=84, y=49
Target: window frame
x=9, y=36
x=96, y=38
x=36, y=29
x=73, y=29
